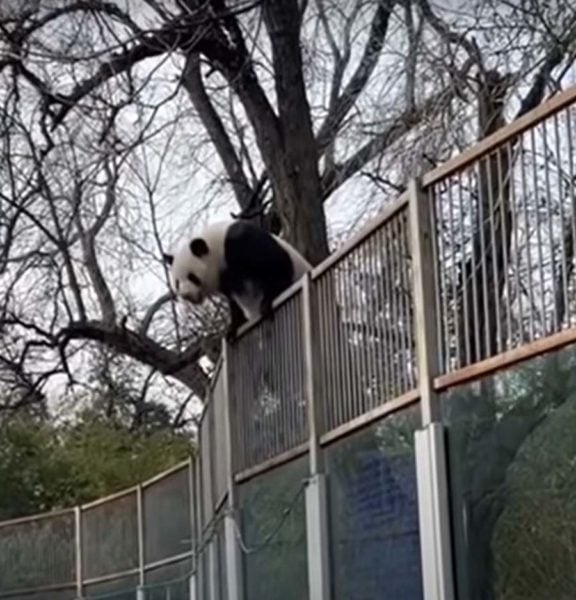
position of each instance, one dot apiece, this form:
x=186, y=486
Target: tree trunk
x=485, y=272
x=295, y=175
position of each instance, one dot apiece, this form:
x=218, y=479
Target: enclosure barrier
x=376, y=439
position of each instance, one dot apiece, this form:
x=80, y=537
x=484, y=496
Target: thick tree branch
x=88, y=242
x=399, y=126
x=184, y=32
x=450, y=36
x=555, y=56
x=360, y=78
x=152, y=310
x=192, y=82
x=182, y=367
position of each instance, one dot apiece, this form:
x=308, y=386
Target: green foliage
x=44, y=466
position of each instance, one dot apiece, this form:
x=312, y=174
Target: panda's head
x=193, y=271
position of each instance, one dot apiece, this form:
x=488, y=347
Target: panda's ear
x=199, y=247
x=168, y=259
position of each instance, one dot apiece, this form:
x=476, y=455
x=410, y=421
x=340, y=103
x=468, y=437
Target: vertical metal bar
x=464, y=276
x=313, y=401
x=395, y=226
x=526, y=219
x=377, y=358
x=336, y=375
x=390, y=310
x=444, y=332
x=571, y=191
x=432, y=218
x=548, y=201
x=505, y=179
x=474, y=272
x=192, y=513
x=563, y=229
x=515, y=223
x=140, y=518
x=538, y=234
x=433, y=513
x=78, y=550
x=365, y=317
x=386, y=343
x=493, y=204
x=324, y=346
x=407, y=284
x=233, y=553
x=421, y=233
x=485, y=315
x=349, y=291
x=345, y=354
x=453, y=277
x=277, y=427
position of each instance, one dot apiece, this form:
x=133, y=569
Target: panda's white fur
x=239, y=260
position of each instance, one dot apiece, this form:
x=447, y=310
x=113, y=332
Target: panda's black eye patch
x=193, y=279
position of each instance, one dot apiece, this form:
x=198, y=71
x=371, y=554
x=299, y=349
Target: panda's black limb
x=266, y=310
x=237, y=319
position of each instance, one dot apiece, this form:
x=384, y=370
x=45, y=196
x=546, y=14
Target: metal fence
x=306, y=445
x=112, y=545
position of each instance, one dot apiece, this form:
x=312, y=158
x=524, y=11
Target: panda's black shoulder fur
x=253, y=255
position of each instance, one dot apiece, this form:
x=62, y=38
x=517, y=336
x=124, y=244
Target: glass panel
x=124, y=588
x=274, y=528
x=167, y=530
x=170, y=582
x=375, y=538
x=37, y=552
x=511, y=449
x=110, y=537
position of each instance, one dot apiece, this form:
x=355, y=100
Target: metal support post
x=317, y=538
x=78, y=551
x=423, y=269
x=234, y=572
x=431, y=461
x=193, y=587
x=433, y=512
x=140, y=518
x=316, y=495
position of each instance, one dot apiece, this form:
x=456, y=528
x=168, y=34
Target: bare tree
x=119, y=122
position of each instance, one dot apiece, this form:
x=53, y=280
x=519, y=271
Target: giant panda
x=239, y=260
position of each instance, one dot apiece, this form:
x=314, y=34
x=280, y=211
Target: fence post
x=140, y=517
x=316, y=494
x=78, y=550
x=234, y=572
x=193, y=525
x=431, y=463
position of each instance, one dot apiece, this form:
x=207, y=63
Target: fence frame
x=431, y=461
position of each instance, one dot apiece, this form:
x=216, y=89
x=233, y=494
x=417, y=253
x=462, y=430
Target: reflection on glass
x=374, y=512
x=275, y=567
x=512, y=461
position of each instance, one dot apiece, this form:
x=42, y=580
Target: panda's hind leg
x=266, y=309
x=237, y=319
